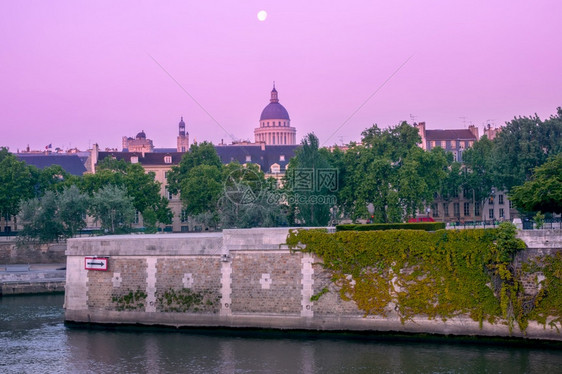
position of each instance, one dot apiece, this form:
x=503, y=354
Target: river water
x=34, y=339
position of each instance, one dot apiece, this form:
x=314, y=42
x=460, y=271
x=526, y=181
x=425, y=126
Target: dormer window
x=167, y=159
x=282, y=158
x=134, y=159
x=275, y=168
x=248, y=158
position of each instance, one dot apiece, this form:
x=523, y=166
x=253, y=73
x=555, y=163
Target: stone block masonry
x=238, y=278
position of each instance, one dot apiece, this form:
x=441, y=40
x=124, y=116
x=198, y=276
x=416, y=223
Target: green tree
x=419, y=178
x=53, y=178
x=72, y=208
x=302, y=185
x=54, y=216
x=199, y=154
x=201, y=188
x=40, y=218
x=113, y=208
x=523, y=144
x=394, y=143
x=141, y=186
x=390, y=174
x=17, y=183
x=248, y=199
x=479, y=177
x=543, y=192
x=453, y=181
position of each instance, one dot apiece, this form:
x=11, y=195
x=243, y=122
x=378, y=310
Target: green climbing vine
x=132, y=300
x=548, y=302
x=187, y=300
x=438, y=274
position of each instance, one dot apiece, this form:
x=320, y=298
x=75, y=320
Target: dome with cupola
x=275, y=124
x=274, y=110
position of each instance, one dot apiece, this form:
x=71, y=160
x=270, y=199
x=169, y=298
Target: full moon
x=262, y=15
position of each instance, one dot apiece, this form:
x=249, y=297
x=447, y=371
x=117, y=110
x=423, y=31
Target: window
x=134, y=159
x=466, y=209
x=248, y=158
x=501, y=213
x=455, y=193
x=510, y=204
x=491, y=213
x=446, y=209
x=183, y=215
x=456, y=210
x=282, y=158
x=453, y=144
x=166, y=174
x=275, y=168
x=465, y=193
x=435, y=209
x=170, y=195
x=471, y=143
x=500, y=199
x=476, y=209
x=432, y=143
x=491, y=200
x=136, y=218
x=167, y=159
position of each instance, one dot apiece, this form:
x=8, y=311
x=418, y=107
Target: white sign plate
x=95, y=263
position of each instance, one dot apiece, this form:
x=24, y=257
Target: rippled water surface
x=33, y=339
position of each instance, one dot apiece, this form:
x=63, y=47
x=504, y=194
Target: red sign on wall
x=96, y=263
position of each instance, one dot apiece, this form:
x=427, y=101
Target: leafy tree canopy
x=201, y=188
x=248, y=199
x=141, y=186
x=113, y=208
x=303, y=185
x=523, y=144
x=543, y=192
x=199, y=154
x=54, y=216
x=17, y=182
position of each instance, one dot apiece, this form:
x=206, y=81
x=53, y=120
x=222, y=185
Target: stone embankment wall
x=238, y=278
x=10, y=253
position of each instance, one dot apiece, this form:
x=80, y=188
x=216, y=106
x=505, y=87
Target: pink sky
x=74, y=73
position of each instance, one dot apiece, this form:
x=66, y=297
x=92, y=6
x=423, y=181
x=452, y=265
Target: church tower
x=275, y=124
x=183, y=137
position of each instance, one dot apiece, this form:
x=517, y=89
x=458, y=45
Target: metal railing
x=548, y=224
x=473, y=224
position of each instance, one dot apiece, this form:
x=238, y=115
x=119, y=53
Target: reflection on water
x=33, y=339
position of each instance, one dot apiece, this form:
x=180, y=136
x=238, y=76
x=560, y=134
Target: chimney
x=421, y=129
x=474, y=130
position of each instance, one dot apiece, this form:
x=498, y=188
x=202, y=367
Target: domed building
x=139, y=144
x=275, y=124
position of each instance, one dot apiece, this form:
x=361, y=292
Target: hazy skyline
x=75, y=73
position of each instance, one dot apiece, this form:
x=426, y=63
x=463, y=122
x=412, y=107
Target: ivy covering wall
x=438, y=274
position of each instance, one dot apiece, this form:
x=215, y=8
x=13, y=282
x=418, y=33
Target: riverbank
x=244, y=279
x=18, y=279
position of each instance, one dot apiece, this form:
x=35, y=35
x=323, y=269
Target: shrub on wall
x=438, y=274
